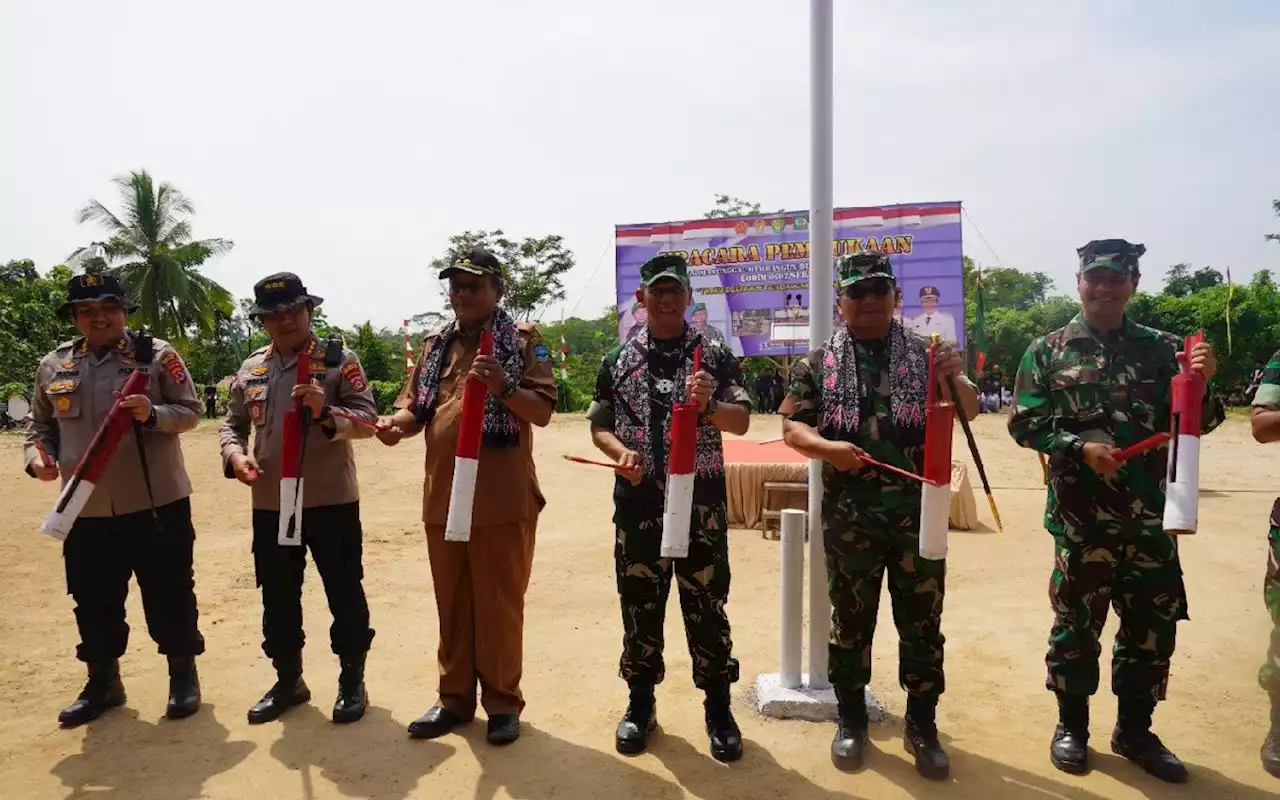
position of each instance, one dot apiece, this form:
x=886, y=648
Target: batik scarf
x=842, y=389
x=501, y=427
x=634, y=412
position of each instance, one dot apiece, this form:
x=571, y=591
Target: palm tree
x=151, y=250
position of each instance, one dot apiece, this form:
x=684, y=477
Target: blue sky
x=346, y=142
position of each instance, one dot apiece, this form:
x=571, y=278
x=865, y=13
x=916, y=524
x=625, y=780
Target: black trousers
x=334, y=536
x=102, y=553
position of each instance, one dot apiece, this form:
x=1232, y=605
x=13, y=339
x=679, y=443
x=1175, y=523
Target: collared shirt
x=1078, y=385
x=507, y=487
x=262, y=390
x=75, y=390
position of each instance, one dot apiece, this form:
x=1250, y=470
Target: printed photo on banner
x=750, y=276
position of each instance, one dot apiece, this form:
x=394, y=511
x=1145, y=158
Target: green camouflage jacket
x=1268, y=394
x=1079, y=385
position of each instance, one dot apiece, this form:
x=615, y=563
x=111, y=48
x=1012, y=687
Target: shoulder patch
x=172, y=362
x=355, y=376
x=541, y=352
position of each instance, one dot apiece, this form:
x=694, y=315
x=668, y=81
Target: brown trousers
x=479, y=587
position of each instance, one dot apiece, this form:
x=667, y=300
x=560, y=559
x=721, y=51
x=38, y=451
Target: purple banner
x=750, y=275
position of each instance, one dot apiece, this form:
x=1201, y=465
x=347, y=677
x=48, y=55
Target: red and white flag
x=935, y=492
x=408, y=350
x=677, y=515
x=466, y=461
x=293, y=446
x=94, y=461
x=1182, y=489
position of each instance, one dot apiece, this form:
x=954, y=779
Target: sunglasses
x=867, y=288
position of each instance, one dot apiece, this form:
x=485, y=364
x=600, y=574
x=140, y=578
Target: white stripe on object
x=677, y=518
x=59, y=525
x=290, y=508
x=462, y=499
x=935, y=508
x=1182, y=498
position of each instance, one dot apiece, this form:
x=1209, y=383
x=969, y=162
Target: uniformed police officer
x=137, y=521
x=261, y=391
x=480, y=584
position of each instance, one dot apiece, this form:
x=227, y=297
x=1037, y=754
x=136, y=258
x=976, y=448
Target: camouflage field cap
x=1113, y=254
x=698, y=307
x=669, y=265
x=473, y=260
x=862, y=266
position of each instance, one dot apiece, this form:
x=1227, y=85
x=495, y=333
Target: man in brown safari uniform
x=137, y=521
x=262, y=390
x=480, y=584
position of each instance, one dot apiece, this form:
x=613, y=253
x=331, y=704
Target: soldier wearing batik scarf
x=1103, y=382
x=863, y=393
x=480, y=584
x=1266, y=428
x=637, y=386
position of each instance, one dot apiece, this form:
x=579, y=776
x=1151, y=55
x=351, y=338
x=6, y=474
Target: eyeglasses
x=867, y=288
x=283, y=313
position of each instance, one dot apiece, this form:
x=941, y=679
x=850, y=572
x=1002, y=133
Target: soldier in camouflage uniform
x=1266, y=428
x=863, y=393
x=637, y=386
x=1101, y=383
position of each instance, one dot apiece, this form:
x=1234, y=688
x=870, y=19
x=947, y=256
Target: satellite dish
x=18, y=407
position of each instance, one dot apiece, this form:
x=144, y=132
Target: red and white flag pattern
x=466, y=461
x=677, y=515
x=408, y=350
x=89, y=471
x=291, y=446
x=935, y=495
x=1182, y=489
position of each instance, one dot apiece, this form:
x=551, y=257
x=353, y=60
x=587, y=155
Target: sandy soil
x=996, y=716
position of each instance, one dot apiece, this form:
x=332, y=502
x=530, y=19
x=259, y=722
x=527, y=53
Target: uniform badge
x=63, y=403
x=261, y=369
x=70, y=363
x=255, y=412
x=255, y=393
x=61, y=387
x=541, y=352
x=173, y=363
x=355, y=376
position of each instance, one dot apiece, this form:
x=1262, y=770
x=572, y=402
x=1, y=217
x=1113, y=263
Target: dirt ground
x=996, y=716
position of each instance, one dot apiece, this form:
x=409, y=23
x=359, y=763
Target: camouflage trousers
x=857, y=558
x=1269, y=674
x=644, y=582
x=1134, y=568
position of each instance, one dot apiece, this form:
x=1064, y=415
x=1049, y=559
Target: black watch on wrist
x=509, y=389
x=324, y=415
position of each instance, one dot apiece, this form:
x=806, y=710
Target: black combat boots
x=289, y=690
x=1069, y=750
x=1134, y=740
x=352, y=697
x=726, y=739
x=921, y=738
x=102, y=691
x=640, y=720
x=850, y=740
x=1271, y=745
x=184, y=687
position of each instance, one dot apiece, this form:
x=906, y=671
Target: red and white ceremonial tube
x=935, y=492
x=1182, y=494
x=291, y=483
x=677, y=515
x=466, y=461
x=94, y=461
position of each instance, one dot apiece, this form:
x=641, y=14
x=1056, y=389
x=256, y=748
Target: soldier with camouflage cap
x=699, y=316
x=261, y=391
x=863, y=393
x=1098, y=384
x=1266, y=428
x=137, y=521
x=479, y=584
x=636, y=389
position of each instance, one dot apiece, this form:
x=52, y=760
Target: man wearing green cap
x=1266, y=428
x=1084, y=390
x=711, y=332
x=638, y=384
x=137, y=520
x=863, y=392
x=640, y=316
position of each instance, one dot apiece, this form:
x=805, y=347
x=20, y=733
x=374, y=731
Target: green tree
x=1274, y=237
x=151, y=249
x=29, y=324
x=726, y=207
x=1180, y=281
x=375, y=357
x=533, y=269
